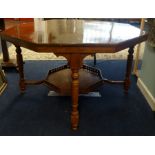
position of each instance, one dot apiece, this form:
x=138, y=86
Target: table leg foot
x=22, y=86
x=74, y=120
x=126, y=86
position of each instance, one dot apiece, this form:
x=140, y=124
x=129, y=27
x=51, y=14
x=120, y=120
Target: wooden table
x=74, y=39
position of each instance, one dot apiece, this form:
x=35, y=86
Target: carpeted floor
x=34, y=113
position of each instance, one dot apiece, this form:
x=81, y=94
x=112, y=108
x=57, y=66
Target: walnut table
x=74, y=39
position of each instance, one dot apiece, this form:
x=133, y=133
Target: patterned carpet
x=30, y=55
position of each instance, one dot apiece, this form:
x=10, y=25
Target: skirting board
x=145, y=91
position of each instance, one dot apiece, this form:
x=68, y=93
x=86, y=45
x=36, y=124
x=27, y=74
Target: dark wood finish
x=5, y=51
x=128, y=69
x=2, y=24
x=60, y=79
x=3, y=42
x=109, y=37
x=94, y=59
x=6, y=60
x=75, y=39
x=20, y=69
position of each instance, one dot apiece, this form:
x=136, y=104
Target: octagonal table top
x=74, y=33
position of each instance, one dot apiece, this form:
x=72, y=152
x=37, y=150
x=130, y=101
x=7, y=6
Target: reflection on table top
x=72, y=31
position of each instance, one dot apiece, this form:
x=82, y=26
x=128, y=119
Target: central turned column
x=75, y=61
x=75, y=97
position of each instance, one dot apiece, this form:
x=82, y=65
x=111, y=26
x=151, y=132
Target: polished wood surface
x=61, y=80
x=72, y=33
x=74, y=39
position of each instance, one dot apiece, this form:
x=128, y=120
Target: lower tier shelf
x=59, y=79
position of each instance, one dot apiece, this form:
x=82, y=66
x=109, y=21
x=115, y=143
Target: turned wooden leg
x=128, y=69
x=20, y=68
x=95, y=59
x=75, y=62
x=5, y=51
x=7, y=62
x=75, y=96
